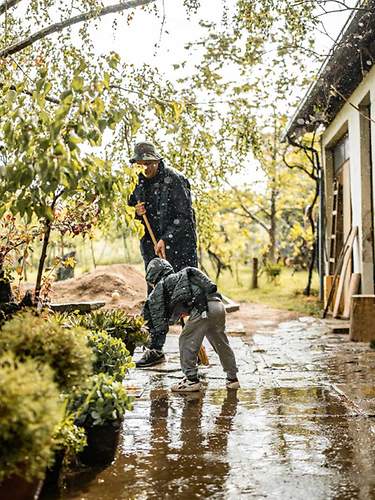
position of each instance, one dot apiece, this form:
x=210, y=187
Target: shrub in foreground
x=65, y=350
x=30, y=411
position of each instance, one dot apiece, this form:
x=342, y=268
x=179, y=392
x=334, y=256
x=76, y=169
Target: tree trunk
x=93, y=253
x=272, y=231
x=307, y=290
x=42, y=260
x=274, y=193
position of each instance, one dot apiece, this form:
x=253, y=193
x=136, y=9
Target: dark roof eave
x=342, y=70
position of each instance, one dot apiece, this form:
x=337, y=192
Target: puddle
x=274, y=443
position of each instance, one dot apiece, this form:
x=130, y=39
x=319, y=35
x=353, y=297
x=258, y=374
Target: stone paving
x=299, y=428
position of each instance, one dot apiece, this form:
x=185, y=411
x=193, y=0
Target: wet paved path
x=297, y=429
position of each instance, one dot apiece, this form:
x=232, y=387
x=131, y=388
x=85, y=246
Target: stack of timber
x=336, y=301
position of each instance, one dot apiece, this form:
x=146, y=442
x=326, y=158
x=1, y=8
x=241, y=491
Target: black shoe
x=150, y=358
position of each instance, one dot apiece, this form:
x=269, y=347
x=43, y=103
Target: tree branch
x=253, y=217
x=60, y=26
x=7, y=4
x=299, y=167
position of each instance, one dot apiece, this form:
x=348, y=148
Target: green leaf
x=78, y=83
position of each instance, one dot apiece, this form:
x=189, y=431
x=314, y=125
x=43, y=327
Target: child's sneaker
x=151, y=357
x=232, y=383
x=186, y=385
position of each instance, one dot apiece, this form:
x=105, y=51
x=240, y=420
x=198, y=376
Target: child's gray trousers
x=212, y=327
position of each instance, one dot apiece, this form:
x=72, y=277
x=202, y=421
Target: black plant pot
x=53, y=472
x=17, y=488
x=102, y=442
x=130, y=347
x=5, y=289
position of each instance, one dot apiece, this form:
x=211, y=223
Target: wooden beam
x=347, y=257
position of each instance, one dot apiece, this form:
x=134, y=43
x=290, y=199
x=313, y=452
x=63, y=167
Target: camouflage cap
x=145, y=151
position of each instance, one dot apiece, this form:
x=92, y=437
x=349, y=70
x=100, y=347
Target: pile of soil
x=99, y=285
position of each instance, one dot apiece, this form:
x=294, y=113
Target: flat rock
x=83, y=307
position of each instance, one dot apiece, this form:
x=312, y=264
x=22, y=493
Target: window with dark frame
x=341, y=152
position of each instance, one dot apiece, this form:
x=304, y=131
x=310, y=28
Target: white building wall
x=349, y=119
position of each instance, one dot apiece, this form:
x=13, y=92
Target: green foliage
x=111, y=355
x=117, y=323
x=52, y=129
x=69, y=438
x=272, y=271
x=46, y=148
x=30, y=410
x=65, y=350
x=15, y=242
x=103, y=400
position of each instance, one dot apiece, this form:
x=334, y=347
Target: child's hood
x=158, y=269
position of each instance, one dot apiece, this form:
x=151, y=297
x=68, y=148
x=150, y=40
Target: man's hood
x=158, y=269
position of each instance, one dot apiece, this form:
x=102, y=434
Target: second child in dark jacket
x=188, y=292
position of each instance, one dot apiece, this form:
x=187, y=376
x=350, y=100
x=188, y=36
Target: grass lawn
x=286, y=293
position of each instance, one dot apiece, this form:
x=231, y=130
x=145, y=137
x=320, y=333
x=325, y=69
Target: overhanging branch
x=60, y=26
x=7, y=4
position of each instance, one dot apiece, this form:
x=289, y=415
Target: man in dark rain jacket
x=186, y=293
x=163, y=194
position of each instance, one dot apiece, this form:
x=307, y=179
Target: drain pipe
x=321, y=228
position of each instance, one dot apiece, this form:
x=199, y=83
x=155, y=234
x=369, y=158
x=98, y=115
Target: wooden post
x=254, y=277
x=366, y=233
x=355, y=282
x=328, y=284
x=362, y=318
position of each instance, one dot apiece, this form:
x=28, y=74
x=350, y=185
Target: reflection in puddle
x=271, y=443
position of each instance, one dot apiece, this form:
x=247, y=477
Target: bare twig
x=357, y=108
x=253, y=217
x=162, y=25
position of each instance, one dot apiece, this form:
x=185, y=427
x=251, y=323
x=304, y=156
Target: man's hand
x=140, y=209
x=160, y=249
